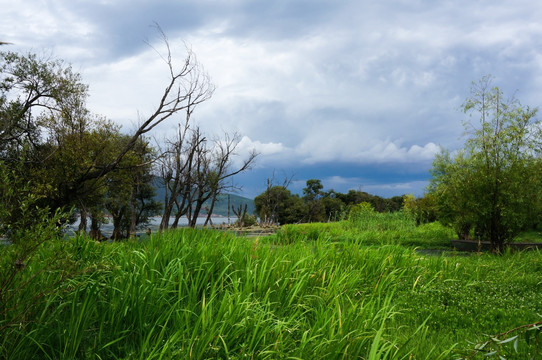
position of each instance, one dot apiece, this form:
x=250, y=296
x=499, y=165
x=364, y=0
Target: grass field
x=352, y=290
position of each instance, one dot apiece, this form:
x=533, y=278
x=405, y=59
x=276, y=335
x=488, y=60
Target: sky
x=359, y=94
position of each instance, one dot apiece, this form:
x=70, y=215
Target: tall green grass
x=205, y=295
x=372, y=228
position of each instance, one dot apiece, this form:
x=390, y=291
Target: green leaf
x=508, y=340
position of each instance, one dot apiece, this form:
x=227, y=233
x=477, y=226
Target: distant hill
x=221, y=205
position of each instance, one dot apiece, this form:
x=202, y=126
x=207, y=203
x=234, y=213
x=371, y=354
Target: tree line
x=277, y=205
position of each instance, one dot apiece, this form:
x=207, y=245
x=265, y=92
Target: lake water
x=154, y=224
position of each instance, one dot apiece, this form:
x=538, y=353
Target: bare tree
x=175, y=171
x=225, y=150
x=195, y=174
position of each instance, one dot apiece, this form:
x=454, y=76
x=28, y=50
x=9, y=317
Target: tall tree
x=32, y=88
x=130, y=192
x=277, y=205
x=484, y=186
x=312, y=194
x=270, y=201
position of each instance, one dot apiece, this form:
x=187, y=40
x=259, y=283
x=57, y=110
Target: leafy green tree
x=380, y=204
x=334, y=207
x=483, y=187
x=31, y=89
x=395, y=203
x=130, y=191
x=423, y=210
x=278, y=205
x=312, y=194
x=313, y=190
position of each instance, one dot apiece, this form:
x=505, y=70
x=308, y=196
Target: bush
x=360, y=211
x=423, y=210
x=248, y=220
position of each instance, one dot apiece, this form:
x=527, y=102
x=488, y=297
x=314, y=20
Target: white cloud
x=246, y=145
x=344, y=141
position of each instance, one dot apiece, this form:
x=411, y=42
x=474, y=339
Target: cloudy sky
x=360, y=94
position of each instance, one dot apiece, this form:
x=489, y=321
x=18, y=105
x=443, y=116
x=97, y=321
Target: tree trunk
x=164, y=223
x=192, y=221
x=133, y=211
x=210, y=211
x=95, y=232
x=83, y=221
x=117, y=232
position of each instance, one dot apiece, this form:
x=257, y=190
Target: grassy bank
x=302, y=294
x=374, y=229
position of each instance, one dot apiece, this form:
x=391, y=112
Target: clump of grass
x=371, y=228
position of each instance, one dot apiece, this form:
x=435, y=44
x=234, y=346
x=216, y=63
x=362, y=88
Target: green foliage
x=207, y=295
x=313, y=191
x=50, y=144
x=360, y=211
x=508, y=343
x=380, y=204
x=249, y=220
x=24, y=229
x=31, y=88
x=312, y=194
x=129, y=191
x=491, y=185
x=318, y=205
x=373, y=229
x=423, y=210
x=279, y=205
x=335, y=209
x=21, y=217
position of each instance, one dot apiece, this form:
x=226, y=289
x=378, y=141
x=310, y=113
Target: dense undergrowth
x=320, y=291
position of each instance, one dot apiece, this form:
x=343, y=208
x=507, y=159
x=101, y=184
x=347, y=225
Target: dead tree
x=196, y=174
x=240, y=212
x=224, y=152
x=177, y=172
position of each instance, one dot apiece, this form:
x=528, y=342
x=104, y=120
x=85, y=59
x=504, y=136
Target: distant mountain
x=221, y=205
